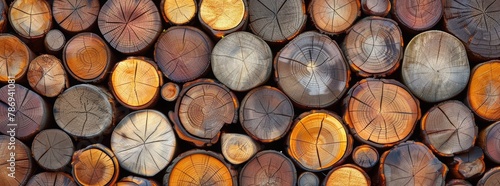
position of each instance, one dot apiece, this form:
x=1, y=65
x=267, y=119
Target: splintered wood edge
x=493, y=173
x=222, y=33
x=281, y=155
x=346, y=166
x=103, y=149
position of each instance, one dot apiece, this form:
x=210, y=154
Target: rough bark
x=52, y=149
x=75, y=15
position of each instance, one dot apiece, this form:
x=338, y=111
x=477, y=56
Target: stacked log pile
x=249, y=92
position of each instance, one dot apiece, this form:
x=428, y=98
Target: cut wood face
x=51, y=178
x=417, y=15
x=242, y=61
x=381, y=112
x=269, y=168
x=46, y=75
x=334, y=17
x=75, y=15
x=277, y=21
x=308, y=179
x=483, y=94
x=222, y=14
x=14, y=57
x=373, y=46
x=318, y=141
x=435, y=66
x=136, y=181
x=129, y=26
x=52, y=149
x=468, y=164
x=178, y=12
x=490, y=141
x=490, y=178
x=365, y=156
x=347, y=174
x=3, y=15
x=238, y=148
x=144, y=142
x=477, y=26
x=411, y=163
x=54, y=41
x=170, y=91
x=458, y=182
x=30, y=18
x=95, y=165
x=22, y=162
x=311, y=70
x=376, y=7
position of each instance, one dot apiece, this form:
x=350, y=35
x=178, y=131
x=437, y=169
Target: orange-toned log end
x=200, y=167
x=222, y=17
x=374, y=46
x=130, y=26
x=490, y=143
x=457, y=182
x=203, y=108
x=469, y=164
x=75, y=15
x=483, y=95
x=136, y=181
x=183, y=53
x=417, y=15
x=238, y=148
x=95, y=165
x=51, y=178
x=316, y=80
x=475, y=23
x=490, y=178
x=46, y=75
x=18, y=166
x=178, y=12
x=87, y=58
x=381, y=112
x=334, y=17
x=376, y=7
x=319, y=140
x=31, y=111
x=308, y=179
x=449, y=128
x=54, y=42
x=31, y=19
x=136, y=82
x=411, y=163
x=52, y=149
x=4, y=7
x=266, y=114
x=277, y=21
x=268, y=168
x=365, y=156
x=347, y=174
x=170, y=91
x=15, y=57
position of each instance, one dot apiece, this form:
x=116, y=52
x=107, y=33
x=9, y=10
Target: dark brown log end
x=347, y=174
x=31, y=19
x=376, y=7
x=365, y=156
x=268, y=168
x=238, y=148
x=54, y=42
x=46, y=75
x=52, y=149
x=95, y=165
x=334, y=17
x=482, y=94
x=15, y=57
x=75, y=15
x=178, y=12
x=222, y=17
x=469, y=164
x=417, y=15
x=51, y=179
x=20, y=163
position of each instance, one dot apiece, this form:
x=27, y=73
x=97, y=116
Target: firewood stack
x=249, y=92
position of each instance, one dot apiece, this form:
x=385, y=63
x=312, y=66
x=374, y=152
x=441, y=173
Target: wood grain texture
x=54, y=42
x=311, y=70
x=136, y=181
x=365, y=156
x=347, y=174
x=376, y=7
x=46, y=75
x=85, y=111
x=334, y=16
x=476, y=24
x=268, y=167
x=266, y=114
x=95, y=165
x=490, y=142
x=200, y=167
x=52, y=149
x=381, y=112
x=31, y=111
x=490, y=178
x=15, y=57
x=136, y=82
x=129, y=26
x=242, y=61
x=87, y=58
x=144, y=142
x=374, y=46
x=411, y=163
x=178, y=12
x=22, y=161
x=458, y=182
x=308, y=179
x=483, y=93
x=202, y=110
x=238, y=148
x=170, y=91
x=469, y=164
x=222, y=17
x=31, y=19
x=277, y=21
x=4, y=7
x=75, y=15
x=183, y=53
x=435, y=66
x=51, y=178
x=319, y=140
x=417, y=15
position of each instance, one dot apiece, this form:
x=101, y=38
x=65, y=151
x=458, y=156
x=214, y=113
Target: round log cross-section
x=308, y=179
x=170, y=91
x=52, y=149
x=490, y=143
x=15, y=57
x=483, y=94
x=468, y=164
x=242, y=61
x=95, y=165
x=365, y=156
x=334, y=17
x=75, y=15
x=178, y=12
x=19, y=166
x=136, y=181
x=46, y=75
x=376, y=7
x=311, y=70
x=490, y=178
x=319, y=141
x=417, y=15
x=374, y=46
x=54, y=42
x=381, y=112
x=51, y=179
x=347, y=174
x=268, y=168
x=130, y=26
x=238, y=148
x=4, y=7
x=222, y=17
x=31, y=19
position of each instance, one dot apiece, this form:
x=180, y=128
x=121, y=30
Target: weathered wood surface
x=75, y=15
x=490, y=178
x=417, y=15
x=311, y=70
x=136, y=181
x=178, y=12
x=222, y=17
x=95, y=165
x=46, y=75
x=52, y=149
x=381, y=112
x=334, y=17
x=376, y=7
x=489, y=141
x=308, y=179
x=51, y=179
x=468, y=164
x=435, y=66
x=21, y=161
x=365, y=156
x=54, y=42
x=347, y=174
x=268, y=167
x=15, y=57
x=31, y=19
x=458, y=182
x=170, y=91
x=483, y=95
x=238, y=148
